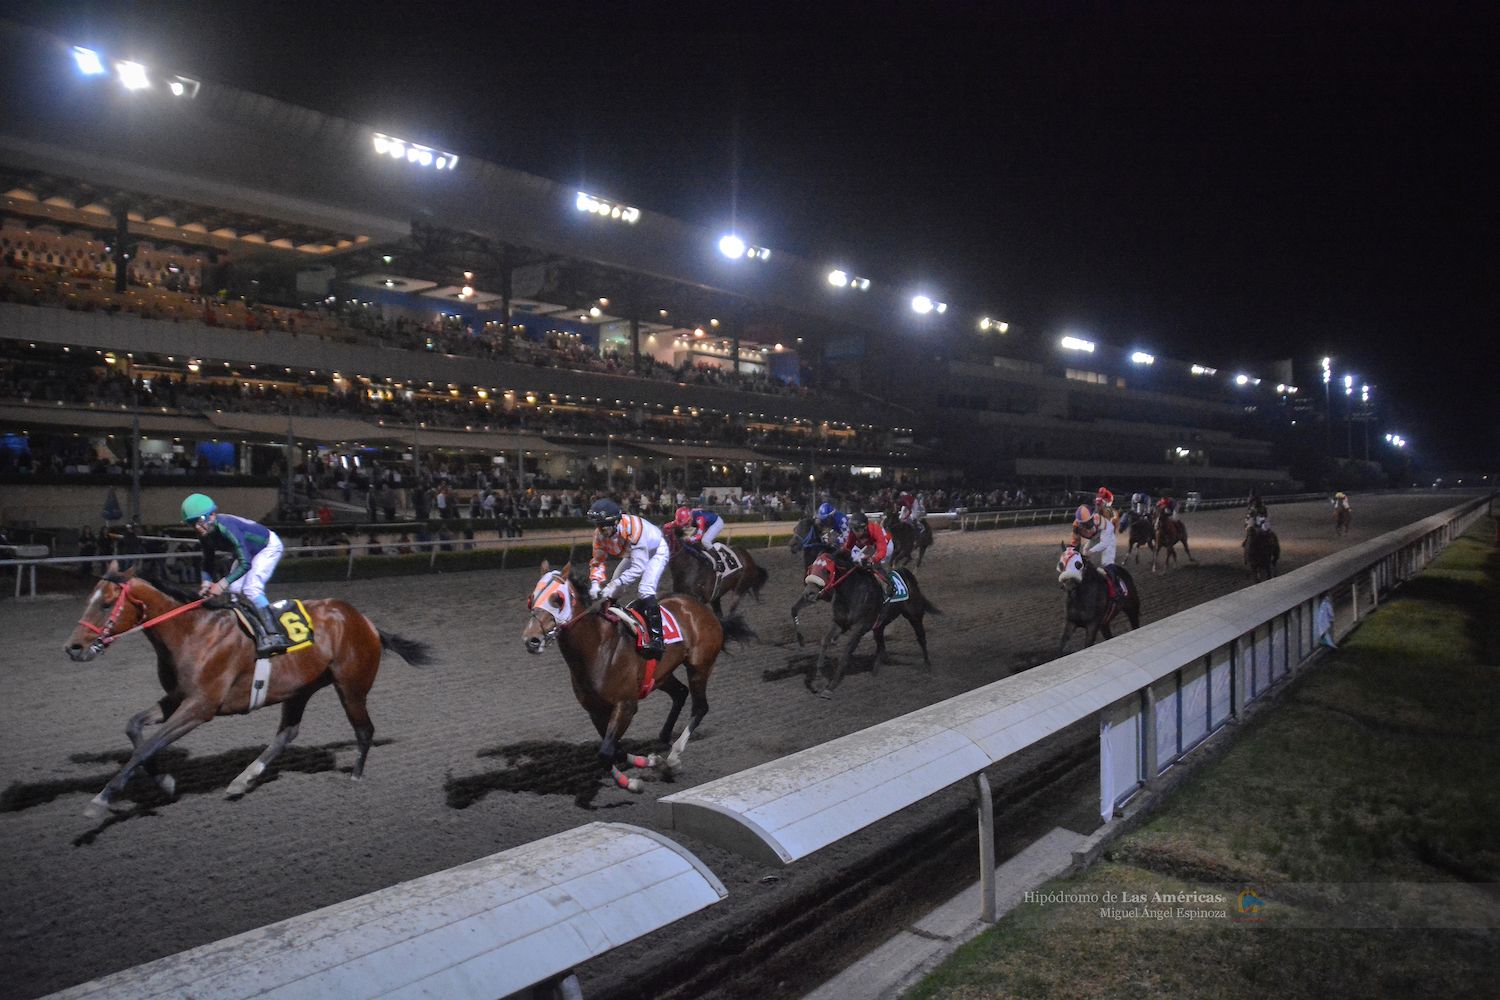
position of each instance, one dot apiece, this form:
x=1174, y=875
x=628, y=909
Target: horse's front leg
x=802, y=602
x=189, y=716
x=820, y=683
x=152, y=716
x=619, y=721
x=847, y=656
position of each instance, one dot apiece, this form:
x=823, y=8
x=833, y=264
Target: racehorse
x=1262, y=552
x=906, y=537
x=1088, y=602
x=694, y=575
x=609, y=675
x=1341, y=518
x=1168, y=533
x=807, y=540
x=206, y=665
x=859, y=606
x=1139, y=531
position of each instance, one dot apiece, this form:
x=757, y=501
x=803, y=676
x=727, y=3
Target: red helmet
x=1105, y=496
x=684, y=517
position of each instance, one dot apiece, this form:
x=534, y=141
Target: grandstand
x=267, y=289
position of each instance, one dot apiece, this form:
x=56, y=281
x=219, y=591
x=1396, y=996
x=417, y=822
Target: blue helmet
x=604, y=512
x=826, y=511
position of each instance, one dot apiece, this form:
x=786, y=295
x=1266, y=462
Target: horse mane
x=169, y=589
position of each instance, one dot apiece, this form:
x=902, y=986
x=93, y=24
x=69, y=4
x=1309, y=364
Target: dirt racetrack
x=483, y=751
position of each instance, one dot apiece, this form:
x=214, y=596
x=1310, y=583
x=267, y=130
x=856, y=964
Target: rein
x=107, y=634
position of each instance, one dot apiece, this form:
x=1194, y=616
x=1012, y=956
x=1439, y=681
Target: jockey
x=870, y=545
x=1094, y=531
x=907, y=507
x=1340, y=501
x=256, y=550
x=1255, y=517
x=643, y=553
x=699, y=527
x=829, y=519
x=1140, y=503
x=1168, y=508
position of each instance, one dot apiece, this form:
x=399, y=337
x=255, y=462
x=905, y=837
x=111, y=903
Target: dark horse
x=694, y=575
x=1262, y=552
x=1168, y=533
x=206, y=664
x=1139, y=531
x=1088, y=602
x=609, y=675
x=1341, y=518
x=858, y=607
x=907, y=537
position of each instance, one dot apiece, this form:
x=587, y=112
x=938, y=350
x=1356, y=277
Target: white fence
x=487, y=929
x=1053, y=515
x=1158, y=691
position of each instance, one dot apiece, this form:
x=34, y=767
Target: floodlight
x=921, y=305
x=594, y=311
x=1076, y=344
x=942, y=307
x=1202, y=370
x=182, y=86
x=993, y=324
x=1142, y=358
x=838, y=279
x=89, y=63
x=732, y=246
x=1241, y=379
x=132, y=75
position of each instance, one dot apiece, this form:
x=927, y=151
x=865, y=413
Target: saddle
x=292, y=616
x=636, y=622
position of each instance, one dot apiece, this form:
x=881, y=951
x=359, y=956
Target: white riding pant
x=253, y=584
x=712, y=532
x=645, y=566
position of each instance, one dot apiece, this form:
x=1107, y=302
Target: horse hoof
x=168, y=785
x=652, y=760
x=633, y=786
x=237, y=788
x=826, y=694
x=98, y=807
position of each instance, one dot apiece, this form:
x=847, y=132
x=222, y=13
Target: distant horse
x=206, y=664
x=1341, y=518
x=1262, y=552
x=907, y=537
x=1088, y=602
x=694, y=575
x=1168, y=533
x=858, y=606
x=1140, y=532
x=807, y=540
x=609, y=674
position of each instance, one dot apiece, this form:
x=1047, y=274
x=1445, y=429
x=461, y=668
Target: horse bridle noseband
x=106, y=635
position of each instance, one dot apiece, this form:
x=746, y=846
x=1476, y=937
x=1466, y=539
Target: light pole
x=1328, y=404
x=1348, y=415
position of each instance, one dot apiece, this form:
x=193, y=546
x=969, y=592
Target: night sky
x=1218, y=183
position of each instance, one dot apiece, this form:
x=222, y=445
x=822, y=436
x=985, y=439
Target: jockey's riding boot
x=656, y=645
x=271, y=639
x=887, y=584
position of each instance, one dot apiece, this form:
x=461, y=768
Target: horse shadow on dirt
x=194, y=776
x=547, y=767
x=805, y=664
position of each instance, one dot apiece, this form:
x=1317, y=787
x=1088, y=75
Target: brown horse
x=206, y=664
x=694, y=576
x=1341, y=518
x=1168, y=533
x=610, y=677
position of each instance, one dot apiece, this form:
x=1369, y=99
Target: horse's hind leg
x=187, y=717
x=359, y=717
x=698, y=685
x=820, y=678
x=291, y=721
x=921, y=631
x=152, y=716
x=678, y=692
x=879, y=633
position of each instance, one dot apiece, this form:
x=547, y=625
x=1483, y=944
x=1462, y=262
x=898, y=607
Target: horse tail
x=418, y=654
x=736, y=628
x=759, y=581
x=911, y=585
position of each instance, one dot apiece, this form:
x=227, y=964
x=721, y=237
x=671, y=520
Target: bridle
x=545, y=588
x=107, y=635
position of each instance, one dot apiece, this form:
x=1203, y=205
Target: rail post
x=349, y=575
x=1149, y=762
x=986, y=809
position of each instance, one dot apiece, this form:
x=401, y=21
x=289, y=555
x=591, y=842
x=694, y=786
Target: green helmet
x=197, y=506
